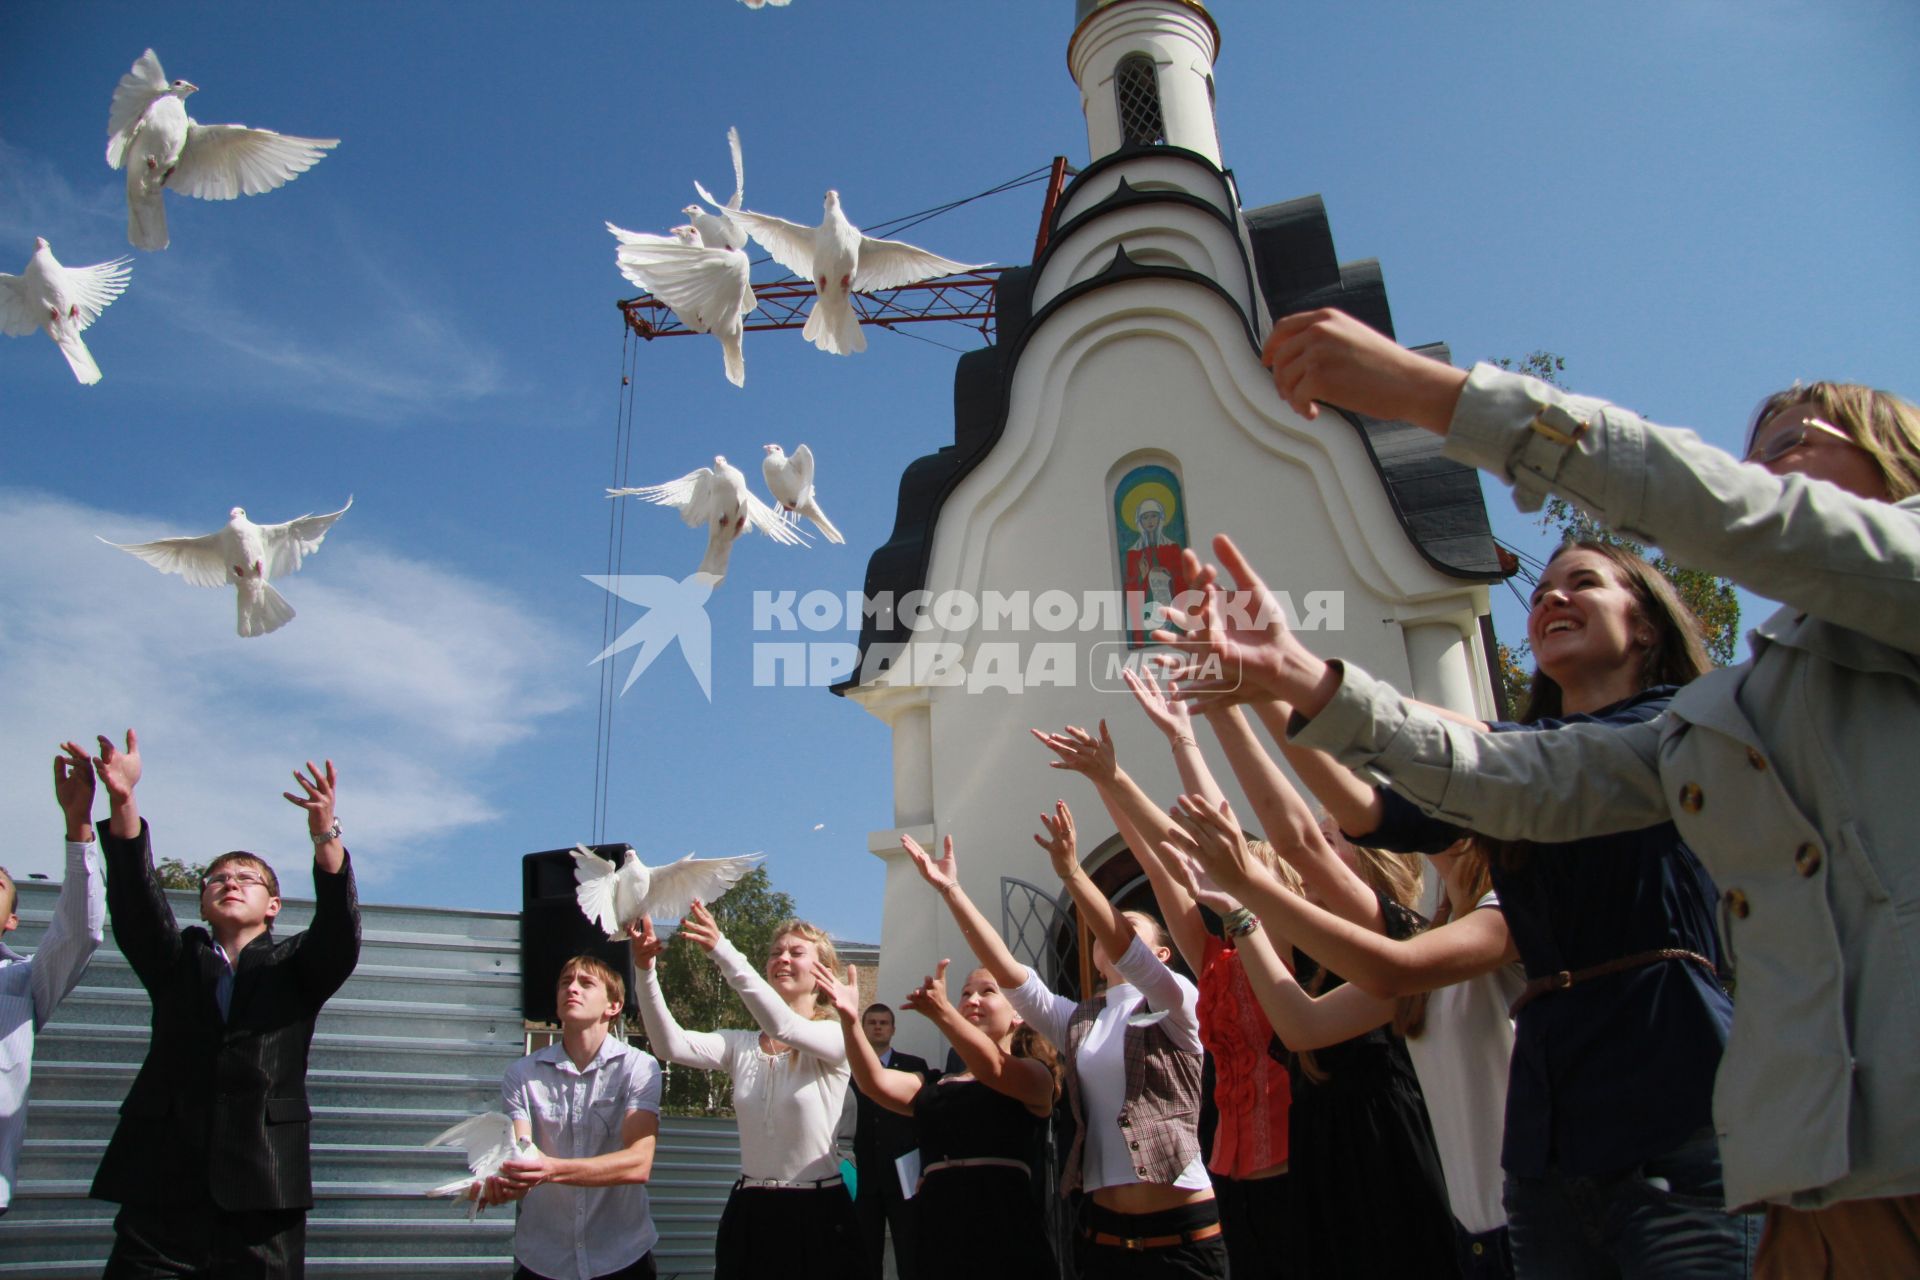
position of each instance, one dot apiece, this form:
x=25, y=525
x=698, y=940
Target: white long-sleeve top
x=1102, y=1062
x=787, y=1105
x=30, y=988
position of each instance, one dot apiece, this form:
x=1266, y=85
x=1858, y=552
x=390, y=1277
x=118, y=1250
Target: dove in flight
x=706, y=287
x=755, y=4
x=246, y=556
x=790, y=480
x=841, y=262
x=489, y=1142
x=717, y=497
x=615, y=899
x=150, y=135
x=720, y=231
x=62, y=301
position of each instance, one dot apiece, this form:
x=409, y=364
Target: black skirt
x=793, y=1233
x=981, y=1222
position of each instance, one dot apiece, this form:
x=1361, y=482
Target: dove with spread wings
x=151, y=136
x=717, y=497
x=790, y=480
x=614, y=899
x=245, y=556
x=489, y=1142
x=706, y=287
x=62, y=301
x=841, y=262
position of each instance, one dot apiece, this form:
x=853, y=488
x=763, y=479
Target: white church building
x=1121, y=414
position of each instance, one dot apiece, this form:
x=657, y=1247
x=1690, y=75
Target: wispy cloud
x=414, y=680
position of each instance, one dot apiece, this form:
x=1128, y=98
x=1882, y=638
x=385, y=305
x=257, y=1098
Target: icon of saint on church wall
x=1152, y=531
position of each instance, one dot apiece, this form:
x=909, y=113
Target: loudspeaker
x=553, y=931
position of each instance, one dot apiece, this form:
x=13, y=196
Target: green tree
x=175, y=874
x=699, y=997
x=1710, y=597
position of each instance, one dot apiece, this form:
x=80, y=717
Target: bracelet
x=331, y=833
x=1241, y=922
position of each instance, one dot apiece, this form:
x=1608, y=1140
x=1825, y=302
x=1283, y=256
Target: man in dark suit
x=879, y=1137
x=209, y=1162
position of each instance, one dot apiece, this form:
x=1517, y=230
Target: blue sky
x=1694, y=203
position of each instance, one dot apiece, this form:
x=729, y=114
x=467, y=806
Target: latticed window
x=1138, y=92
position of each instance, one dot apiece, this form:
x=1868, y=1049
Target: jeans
x=1662, y=1220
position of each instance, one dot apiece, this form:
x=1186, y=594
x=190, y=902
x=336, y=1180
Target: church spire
x=1145, y=71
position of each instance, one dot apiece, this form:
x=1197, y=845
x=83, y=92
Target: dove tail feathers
x=736, y=358
x=79, y=359
x=834, y=328
x=146, y=216
x=263, y=610
x=819, y=518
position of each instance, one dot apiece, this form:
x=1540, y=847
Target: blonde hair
x=1474, y=866
x=1886, y=428
x=1396, y=878
x=822, y=946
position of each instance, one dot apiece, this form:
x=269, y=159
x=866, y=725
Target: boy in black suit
x=880, y=1137
x=210, y=1159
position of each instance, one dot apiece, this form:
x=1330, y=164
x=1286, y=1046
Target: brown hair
x=1473, y=863
x=1886, y=428
x=1028, y=1043
x=616, y=985
x=245, y=859
x=822, y=946
x=1396, y=878
x=1678, y=653
x=9, y=893
x=1156, y=933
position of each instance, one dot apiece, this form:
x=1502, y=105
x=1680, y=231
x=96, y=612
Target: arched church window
x=1136, y=87
x=1150, y=514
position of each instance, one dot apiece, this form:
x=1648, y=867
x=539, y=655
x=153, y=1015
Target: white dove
x=719, y=231
x=755, y=4
x=245, y=555
x=790, y=480
x=707, y=288
x=62, y=301
x=717, y=497
x=489, y=1143
x=841, y=262
x=615, y=899
x=150, y=135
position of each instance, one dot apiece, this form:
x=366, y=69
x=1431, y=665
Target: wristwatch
x=331, y=833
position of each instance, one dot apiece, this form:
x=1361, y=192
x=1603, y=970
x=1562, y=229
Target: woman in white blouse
x=1132, y=1061
x=789, y=1213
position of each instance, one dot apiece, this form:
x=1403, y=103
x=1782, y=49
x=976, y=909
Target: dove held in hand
x=615, y=899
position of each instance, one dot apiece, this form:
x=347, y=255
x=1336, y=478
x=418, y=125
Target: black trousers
x=1253, y=1216
x=879, y=1207
x=1199, y=1260
x=643, y=1269
x=206, y=1243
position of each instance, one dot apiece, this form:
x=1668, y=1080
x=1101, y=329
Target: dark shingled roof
x=1437, y=501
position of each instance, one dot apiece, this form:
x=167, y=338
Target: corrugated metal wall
x=417, y=1040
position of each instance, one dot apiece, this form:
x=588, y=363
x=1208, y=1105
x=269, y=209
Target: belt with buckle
x=1560, y=981
x=781, y=1184
x=1137, y=1243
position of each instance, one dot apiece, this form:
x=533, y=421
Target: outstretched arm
x=331, y=946
x=143, y=923
x=1139, y=823
x=894, y=1090
x=1290, y=823
x=770, y=1011
x=1111, y=930
x=703, y=1050
x=80, y=912
x=987, y=945
x=1020, y=1078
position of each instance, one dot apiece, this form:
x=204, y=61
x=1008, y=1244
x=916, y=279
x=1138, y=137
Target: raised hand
x=929, y=999
x=1081, y=752
x=1169, y=715
x=73, y=788
x=1214, y=839
x=1240, y=647
x=318, y=800
x=843, y=996
x=645, y=943
x=1062, y=849
x=1329, y=356
x=118, y=770
x=943, y=874
x=698, y=927
x=1195, y=880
